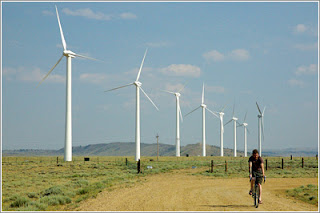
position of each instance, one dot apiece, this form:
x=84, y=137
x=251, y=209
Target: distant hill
x=125, y=149
x=128, y=149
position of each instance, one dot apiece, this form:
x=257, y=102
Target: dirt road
x=181, y=191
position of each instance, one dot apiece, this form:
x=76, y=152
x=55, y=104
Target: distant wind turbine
x=138, y=88
x=221, y=113
x=244, y=124
x=178, y=111
x=260, y=127
x=69, y=55
x=235, y=120
x=204, y=108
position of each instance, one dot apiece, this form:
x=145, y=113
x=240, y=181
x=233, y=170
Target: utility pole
x=157, y=147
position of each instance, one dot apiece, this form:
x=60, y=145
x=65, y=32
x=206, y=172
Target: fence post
x=226, y=166
x=266, y=164
x=57, y=160
x=291, y=157
x=126, y=161
x=282, y=164
x=302, y=162
x=211, y=166
x=138, y=166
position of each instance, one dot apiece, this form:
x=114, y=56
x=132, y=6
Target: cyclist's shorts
x=259, y=174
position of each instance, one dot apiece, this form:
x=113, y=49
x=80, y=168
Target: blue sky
x=243, y=52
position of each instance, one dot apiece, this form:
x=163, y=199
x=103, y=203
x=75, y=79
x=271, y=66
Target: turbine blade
x=149, y=98
x=202, y=93
x=50, y=70
x=248, y=130
x=228, y=122
x=258, y=108
x=61, y=32
x=86, y=57
x=141, y=65
x=223, y=108
x=167, y=91
x=118, y=87
x=192, y=111
x=183, y=87
x=244, y=120
x=233, y=109
x=238, y=123
x=180, y=111
x=263, y=111
x=213, y=113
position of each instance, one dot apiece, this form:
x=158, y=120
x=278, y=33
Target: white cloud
x=213, y=55
x=94, y=78
x=47, y=13
x=295, y=82
x=240, y=55
x=215, y=89
x=128, y=16
x=181, y=70
x=307, y=70
x=234, y=55
x=173, y=87
x=88, y=13
x=30, y=75
x=306, y=47
x=157, y=44
x=300, y=28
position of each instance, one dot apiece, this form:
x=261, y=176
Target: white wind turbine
x=244, y=124
x=178, y=111
x=204, y=108
x=138, y=88
x=260, y=127
x=69, y=55
x=221, y=114
x=235, y=120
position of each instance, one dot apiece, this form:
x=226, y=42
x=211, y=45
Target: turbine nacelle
x=245, y=124
x=259, y=116
x=203, y=106
x=234, y=118
x=177, y=94
x=221, y=114
x=69, y=53
x=137, y=83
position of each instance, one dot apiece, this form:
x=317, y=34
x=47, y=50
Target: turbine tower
x=138, y=84
x=69, y=55
x=221, y=114
x=244, y=124
x=260, y=127
x=178, y=111
x=204, y=108
x=235, y=120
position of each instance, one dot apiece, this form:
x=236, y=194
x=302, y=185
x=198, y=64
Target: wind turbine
x=178, y=111
x=244, y=124
x=204, y=108
x=138, y=84
x=221, y=114
x=69, y=55
x=260, y=127
x=235, y=120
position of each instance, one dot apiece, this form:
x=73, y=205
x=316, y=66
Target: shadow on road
x=228, y=206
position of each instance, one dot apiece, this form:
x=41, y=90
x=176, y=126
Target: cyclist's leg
x=260, y=187
x=251, y=184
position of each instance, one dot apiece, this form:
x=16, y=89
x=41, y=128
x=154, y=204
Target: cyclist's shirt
x=256, y=164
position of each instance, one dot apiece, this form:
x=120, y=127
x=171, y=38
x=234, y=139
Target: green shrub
x=32, y=195
x=54, y=200
x=54, y=190
x=20, y=201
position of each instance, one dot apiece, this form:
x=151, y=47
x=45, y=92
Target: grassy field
x=40, y=183
x=307, y=193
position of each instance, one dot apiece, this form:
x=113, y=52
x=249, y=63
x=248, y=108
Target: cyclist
x=256, y=168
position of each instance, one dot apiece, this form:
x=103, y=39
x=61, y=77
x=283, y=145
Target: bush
x=55, y=200
x=55, y=190
x=32, y=195
x=20, y=201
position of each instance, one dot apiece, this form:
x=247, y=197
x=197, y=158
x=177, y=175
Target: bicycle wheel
x=257, y=194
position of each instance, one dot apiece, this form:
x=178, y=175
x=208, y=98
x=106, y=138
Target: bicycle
x=256, y=191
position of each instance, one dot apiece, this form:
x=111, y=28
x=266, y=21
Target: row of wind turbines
x=68, y=119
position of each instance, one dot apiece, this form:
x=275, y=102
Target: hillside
x=124, y=149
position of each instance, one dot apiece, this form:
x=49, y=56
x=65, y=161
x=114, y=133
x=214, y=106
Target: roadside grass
x=308, y=193
x=43, y=184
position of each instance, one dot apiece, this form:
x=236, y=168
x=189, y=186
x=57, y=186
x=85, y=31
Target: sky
x=265, y=52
